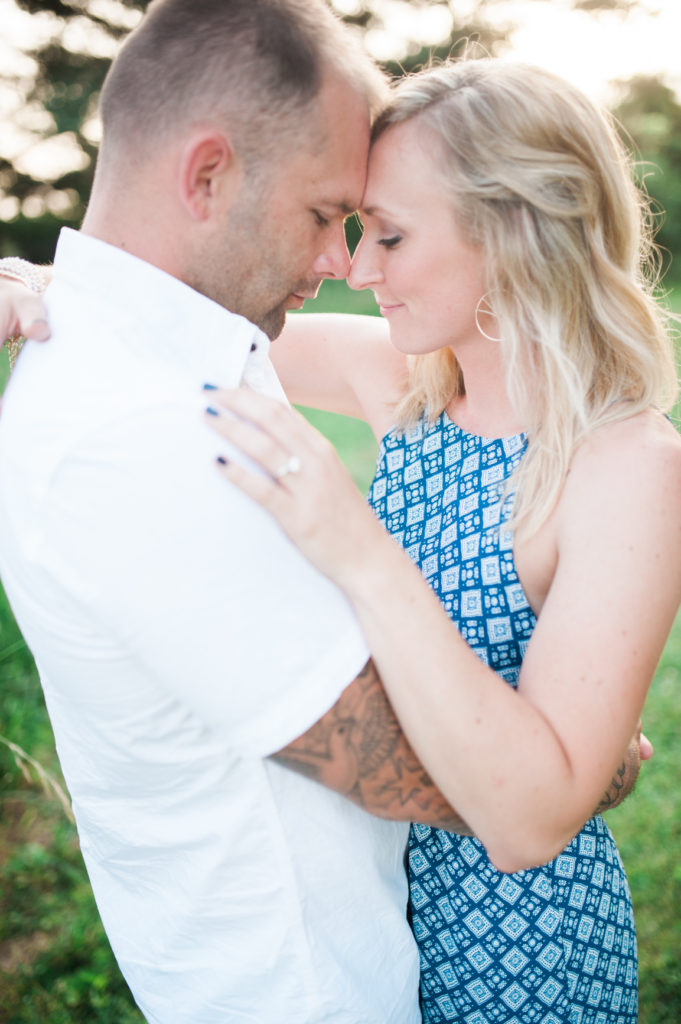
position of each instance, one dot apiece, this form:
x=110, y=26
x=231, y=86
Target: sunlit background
x=49, y=129
x=590, y=44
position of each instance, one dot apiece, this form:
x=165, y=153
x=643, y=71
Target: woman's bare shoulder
x=633, y=462
x=646, y=435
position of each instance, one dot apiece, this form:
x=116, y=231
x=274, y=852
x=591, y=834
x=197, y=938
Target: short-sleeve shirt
x=180, y=639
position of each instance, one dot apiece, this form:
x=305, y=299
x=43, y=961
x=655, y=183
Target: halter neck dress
x=556, y=944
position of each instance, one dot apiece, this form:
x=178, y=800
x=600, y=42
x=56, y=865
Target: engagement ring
x=292, y=465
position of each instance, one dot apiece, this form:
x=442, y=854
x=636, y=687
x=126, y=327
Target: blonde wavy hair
x=538, y=176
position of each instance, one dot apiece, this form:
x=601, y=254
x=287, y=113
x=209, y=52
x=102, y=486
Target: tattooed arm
x=621, y=785
x=358, y=749
x=624, y=779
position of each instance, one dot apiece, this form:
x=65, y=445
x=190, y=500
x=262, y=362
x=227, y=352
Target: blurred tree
x=47, y=161
x=651, y=114
x=591, y=6
x=48, y=98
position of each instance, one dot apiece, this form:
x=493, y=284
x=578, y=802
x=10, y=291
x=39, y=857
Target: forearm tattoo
x=358, y=749
x=621, y=784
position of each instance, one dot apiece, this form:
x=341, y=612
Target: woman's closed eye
x=390, y=242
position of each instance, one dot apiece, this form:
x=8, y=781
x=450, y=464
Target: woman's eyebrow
x=375, y=211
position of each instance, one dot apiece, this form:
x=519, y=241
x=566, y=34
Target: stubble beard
x=248, y=267
x=249, y=270
x=272, y=323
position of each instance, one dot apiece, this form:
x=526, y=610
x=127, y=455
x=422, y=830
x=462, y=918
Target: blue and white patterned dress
x=554, y=945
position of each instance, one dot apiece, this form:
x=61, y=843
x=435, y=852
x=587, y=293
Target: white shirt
x=180, y=639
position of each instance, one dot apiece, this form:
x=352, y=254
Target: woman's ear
x=209, y=175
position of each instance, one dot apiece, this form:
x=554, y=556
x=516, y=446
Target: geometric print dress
x=555, y=944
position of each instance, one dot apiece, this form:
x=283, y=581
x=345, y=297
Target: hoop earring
x=487, y=312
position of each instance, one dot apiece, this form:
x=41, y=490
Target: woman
x=531, y=477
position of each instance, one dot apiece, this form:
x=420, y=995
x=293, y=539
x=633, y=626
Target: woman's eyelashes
x=321, y=219
x=390, y=241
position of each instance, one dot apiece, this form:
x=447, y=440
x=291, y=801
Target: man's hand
x=622, y=782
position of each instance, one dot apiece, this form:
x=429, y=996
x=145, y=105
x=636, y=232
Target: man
x=180, y=639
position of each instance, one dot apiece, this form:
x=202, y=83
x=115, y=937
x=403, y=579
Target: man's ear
x=209, y=175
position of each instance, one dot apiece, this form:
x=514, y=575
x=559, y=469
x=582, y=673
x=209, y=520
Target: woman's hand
x=304, y=484
x=21, y=312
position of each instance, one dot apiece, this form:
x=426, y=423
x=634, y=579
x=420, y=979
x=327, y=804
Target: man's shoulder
x=79, y=384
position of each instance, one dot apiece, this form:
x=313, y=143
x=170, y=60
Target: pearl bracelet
x=33, y=277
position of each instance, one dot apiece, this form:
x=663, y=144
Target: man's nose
x=334, y=261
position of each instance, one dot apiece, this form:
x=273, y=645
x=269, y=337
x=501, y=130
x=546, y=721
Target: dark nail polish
x=210, y=387
x=222, y=460
x=211, y=411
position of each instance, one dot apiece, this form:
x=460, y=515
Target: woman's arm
x=342, y=363
x=524, y=768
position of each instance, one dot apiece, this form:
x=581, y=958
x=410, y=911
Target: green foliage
x=49, y=919
x=651, y=114
x=648, y=831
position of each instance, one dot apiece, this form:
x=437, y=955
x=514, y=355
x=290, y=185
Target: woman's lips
x=389, y=308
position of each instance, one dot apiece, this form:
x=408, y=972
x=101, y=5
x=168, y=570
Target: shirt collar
x=160, y=313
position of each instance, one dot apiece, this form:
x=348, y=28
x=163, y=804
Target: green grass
x=55, y=963
x=647, y=828
x=338, y=296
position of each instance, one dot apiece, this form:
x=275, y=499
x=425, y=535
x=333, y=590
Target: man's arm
x=359, y=750
x=624, y=779
x=621, y=785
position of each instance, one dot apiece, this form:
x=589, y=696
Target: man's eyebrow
x=345, y=207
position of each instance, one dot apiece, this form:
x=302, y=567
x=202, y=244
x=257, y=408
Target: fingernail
x=211, y=411
x=222, y=460
x=40, y=327
x=210, y=387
